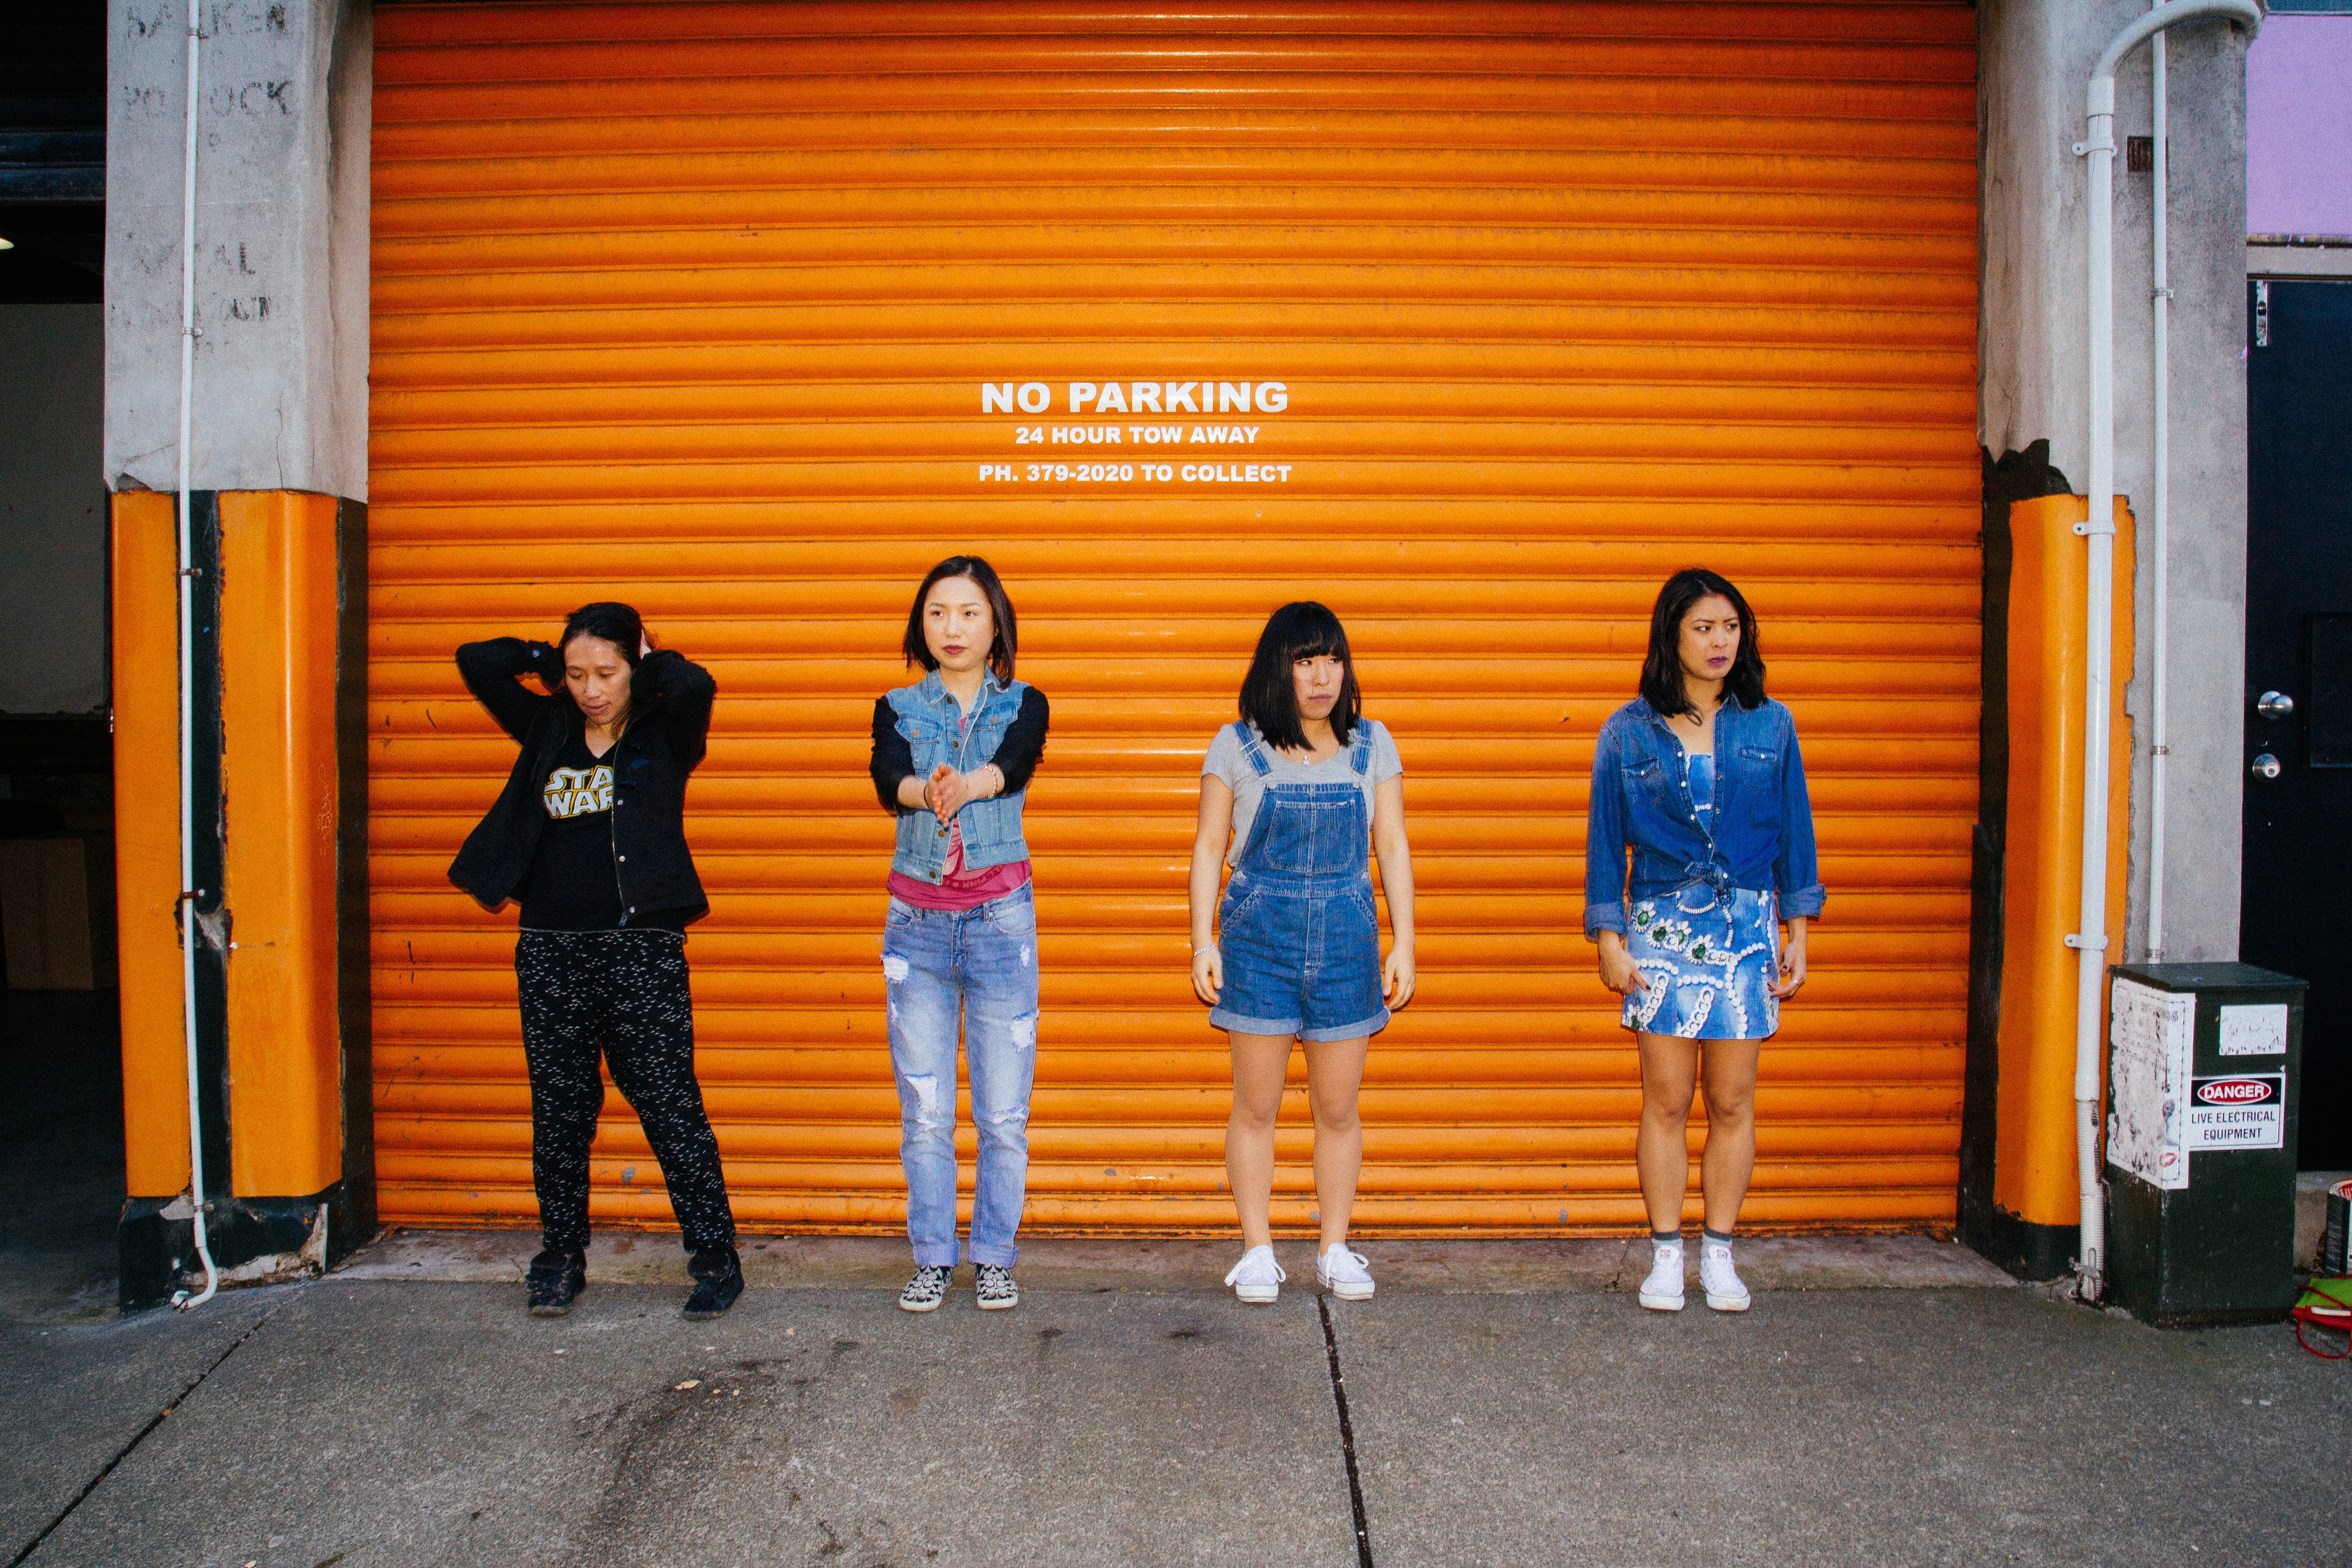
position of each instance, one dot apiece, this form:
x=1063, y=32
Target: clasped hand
x=947, y=792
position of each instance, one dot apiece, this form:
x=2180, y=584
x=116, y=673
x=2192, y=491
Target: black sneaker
x=719, y=1278
x=927, y=1289
x=997, y=1291
x=555, y=1281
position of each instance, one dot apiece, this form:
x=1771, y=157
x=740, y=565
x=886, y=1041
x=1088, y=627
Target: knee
x=1251, y=1115
x=1667, y=1104
x=1733, y=1107
x=1337, y=1113
x=1006, y=1129
x=924, y=1112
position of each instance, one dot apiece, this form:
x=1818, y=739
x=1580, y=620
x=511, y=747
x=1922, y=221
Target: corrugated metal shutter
x=693, y=304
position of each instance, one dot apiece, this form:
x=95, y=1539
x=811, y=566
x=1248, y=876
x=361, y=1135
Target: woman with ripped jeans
x=952, y=756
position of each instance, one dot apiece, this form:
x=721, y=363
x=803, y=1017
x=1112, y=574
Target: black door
x=2298, y=823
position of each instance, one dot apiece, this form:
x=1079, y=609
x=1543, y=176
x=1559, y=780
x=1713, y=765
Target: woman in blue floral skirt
x=1699, y=783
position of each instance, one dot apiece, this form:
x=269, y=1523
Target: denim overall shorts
x=1296, y=930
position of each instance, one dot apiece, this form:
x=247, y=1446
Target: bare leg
x=1335, y=1072
x=1260, y=1064
x=1731, y=1158
x=1661, y=1148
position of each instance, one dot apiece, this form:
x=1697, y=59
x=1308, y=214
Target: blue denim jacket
x=1763, y=837
x=933, y=725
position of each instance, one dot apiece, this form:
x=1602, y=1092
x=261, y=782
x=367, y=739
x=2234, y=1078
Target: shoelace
x=1256, y=1278
x=1363, y=1264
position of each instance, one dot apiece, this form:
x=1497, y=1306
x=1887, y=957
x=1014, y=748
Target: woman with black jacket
x=589, y=836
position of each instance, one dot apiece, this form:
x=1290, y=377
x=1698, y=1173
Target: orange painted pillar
x=147, y=841
x=282, y=1037
x=281, y=810
x=2035, y=1172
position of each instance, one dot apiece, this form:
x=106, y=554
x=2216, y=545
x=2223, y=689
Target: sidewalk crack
x=140, y=1436
x=1347, y=1436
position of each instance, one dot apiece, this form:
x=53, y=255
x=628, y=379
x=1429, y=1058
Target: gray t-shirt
x=1225, y=760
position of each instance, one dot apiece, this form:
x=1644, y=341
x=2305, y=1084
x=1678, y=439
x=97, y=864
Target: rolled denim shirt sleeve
x=1604, y=843
x=1796, y=872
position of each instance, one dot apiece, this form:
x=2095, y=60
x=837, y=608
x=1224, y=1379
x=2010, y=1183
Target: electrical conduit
x=188, y=889
x=2091, y=938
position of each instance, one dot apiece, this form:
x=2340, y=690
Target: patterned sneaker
x=555, y=1281
x=1663, y=1290
x=718, y=1279
x=1344, y=1274
x=997, y=1291
x=1724, y=1293
x=1257, y=1277
x=927, y=1289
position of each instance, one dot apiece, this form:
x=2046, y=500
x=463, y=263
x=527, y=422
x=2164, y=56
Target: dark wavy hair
x=999, y=608
x=618, y=624
x=1661, y=669
x=1270, y=700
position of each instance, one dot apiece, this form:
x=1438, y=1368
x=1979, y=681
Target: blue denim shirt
x=1763, y=833
x=933, y=725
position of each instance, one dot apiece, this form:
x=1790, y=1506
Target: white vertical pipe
x=188, y=691
x=2161, y=301
x=2090, y=939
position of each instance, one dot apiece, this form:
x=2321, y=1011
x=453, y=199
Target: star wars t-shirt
x=574, y=882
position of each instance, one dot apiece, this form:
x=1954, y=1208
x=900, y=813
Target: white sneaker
x=1257, y=1277
x=1663, y=1290
x=1344, y=1274
x=1720, y=1281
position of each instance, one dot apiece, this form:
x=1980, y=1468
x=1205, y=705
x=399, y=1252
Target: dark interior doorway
x=2298, y=813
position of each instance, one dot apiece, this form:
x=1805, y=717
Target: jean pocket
x=901, y=914
x=1015, y=914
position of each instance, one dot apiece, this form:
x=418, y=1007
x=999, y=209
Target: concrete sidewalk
x=1888, y=1401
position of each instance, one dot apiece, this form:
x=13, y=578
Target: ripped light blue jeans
x=977, y=968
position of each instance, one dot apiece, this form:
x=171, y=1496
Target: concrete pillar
x=281, y=245
x=2035, y=58
x=278, y=472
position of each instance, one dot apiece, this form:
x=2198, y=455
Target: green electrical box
x=2204, y=1080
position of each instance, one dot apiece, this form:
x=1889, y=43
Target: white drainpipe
x=2160, y=301
x=189, y=891
x=2090, y=939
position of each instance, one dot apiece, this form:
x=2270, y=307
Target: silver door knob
x=2265, y=765
x=2274, y=705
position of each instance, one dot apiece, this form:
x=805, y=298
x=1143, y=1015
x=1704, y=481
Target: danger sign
x=2240, y=1110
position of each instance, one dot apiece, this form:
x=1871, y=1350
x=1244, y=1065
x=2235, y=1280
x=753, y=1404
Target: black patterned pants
x=621, y=994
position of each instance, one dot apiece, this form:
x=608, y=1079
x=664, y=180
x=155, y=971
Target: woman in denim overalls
x=952, y=756
x=1300, y=787
x=1698, y=783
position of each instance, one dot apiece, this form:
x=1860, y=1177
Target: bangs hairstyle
x=1270, y=700
x=1000, y=609
x=618, y=624
x=1662, y=671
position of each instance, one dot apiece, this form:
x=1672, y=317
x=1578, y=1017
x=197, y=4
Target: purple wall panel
x=2299, y=127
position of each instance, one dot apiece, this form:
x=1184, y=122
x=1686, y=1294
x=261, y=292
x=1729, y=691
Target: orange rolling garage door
x=716, y=308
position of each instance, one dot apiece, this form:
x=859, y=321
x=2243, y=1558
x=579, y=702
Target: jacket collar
x=932, y=691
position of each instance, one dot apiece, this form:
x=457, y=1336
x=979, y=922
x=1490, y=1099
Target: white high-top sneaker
x=1719, y=1279
x=1663, y=1290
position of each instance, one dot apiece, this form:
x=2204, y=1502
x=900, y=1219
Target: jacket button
x=943, y=833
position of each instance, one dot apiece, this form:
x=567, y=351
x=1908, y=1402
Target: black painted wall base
x=158, y=1251
x=2028, y=1250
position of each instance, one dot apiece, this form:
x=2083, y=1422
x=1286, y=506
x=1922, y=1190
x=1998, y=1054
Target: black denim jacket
x=671, y=700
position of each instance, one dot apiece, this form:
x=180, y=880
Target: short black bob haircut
x=1270, y=701
x=1662, y=671
x=1000, y=609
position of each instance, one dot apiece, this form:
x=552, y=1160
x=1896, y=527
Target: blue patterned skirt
x=1709, y=961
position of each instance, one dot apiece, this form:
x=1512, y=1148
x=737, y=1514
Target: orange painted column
x=147, y=841
x=281, y=807
x=2034, y=1174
